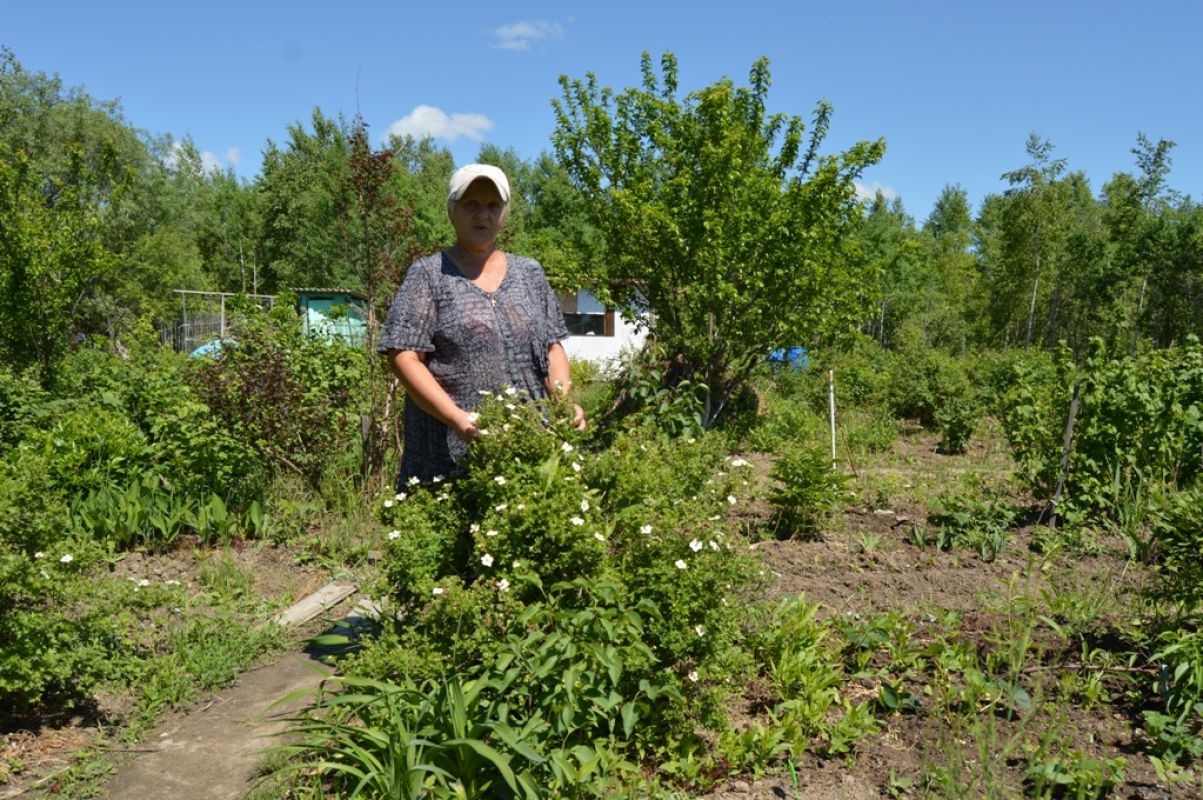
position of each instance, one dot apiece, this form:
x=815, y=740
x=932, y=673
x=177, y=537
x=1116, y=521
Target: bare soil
x=894, y=573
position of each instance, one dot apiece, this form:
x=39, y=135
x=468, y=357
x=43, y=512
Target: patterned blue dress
x=476, y=342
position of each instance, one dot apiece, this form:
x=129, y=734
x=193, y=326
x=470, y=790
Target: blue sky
x=954, y=87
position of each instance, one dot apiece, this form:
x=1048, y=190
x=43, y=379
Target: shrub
x=20, y=397
x=548, y=565
x=1177, y=535
x=51, y=654
x=807, y=489
x=957, y=417
x=291, y=398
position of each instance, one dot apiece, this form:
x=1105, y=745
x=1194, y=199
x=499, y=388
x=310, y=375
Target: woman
x=470, y=320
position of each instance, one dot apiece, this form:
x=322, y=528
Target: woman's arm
x=559, y=380
x=410, y=367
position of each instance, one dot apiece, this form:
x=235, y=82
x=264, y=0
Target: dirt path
x=212, y=752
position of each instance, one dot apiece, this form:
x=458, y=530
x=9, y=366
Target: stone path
x=212, y=752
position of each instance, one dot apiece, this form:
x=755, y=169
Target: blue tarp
x=794, y=356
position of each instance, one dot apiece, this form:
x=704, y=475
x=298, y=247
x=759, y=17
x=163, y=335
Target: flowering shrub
x=616, y=563
x=47, y=656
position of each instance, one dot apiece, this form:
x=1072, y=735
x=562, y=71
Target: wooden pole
x=1066, y=442
x=831, y=410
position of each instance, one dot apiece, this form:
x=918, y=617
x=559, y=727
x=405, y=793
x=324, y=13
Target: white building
x=597, y=333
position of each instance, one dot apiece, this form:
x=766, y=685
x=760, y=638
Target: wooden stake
x=831, y=410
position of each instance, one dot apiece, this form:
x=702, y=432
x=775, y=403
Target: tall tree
x=726, y=221
x=304, y=188
x=1032, y=223
x=949, y=233
x=51, y=257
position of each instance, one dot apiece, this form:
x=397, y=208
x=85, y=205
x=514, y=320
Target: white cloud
x=209, y=161
x=430, y=121
x=869, y=192
x=172, y=156
x=519, y=36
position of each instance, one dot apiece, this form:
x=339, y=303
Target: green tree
x=304, y=188
x=85, y=152
x=949, y=234
x=1032, y=226
x=724, y=220
x=891, y=249
x=51, y=256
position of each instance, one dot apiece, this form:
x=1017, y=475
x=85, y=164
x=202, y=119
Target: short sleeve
x=411, y=317
x=557, y=331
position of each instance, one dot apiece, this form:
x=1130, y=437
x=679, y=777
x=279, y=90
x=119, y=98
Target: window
x=585, y=315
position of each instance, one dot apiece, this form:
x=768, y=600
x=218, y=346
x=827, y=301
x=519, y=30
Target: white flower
x=690, y=440
x=521, y=506
x=713, y=545
x=716, y=517
x=503, y=585
x=484, y=392
x=500, y=507
x=487, y=560
x=393, y=535
x=473, y=528
x=473, y=416
x=39, y=554
x=510, y=406
x=172, y=582
x=577, y=521
x=490, y=532
x=731, y=499
x=700, y=630
x=511, y=391
x=696, y=545
x=415, y=480
x=646, y=529
x=567, y=448
x=680, y=564
x=437, y=479
x=517, y=563
x=576, y=467
x=738, y=462
x=584, y=506
x=483, y=431
x=401, y=497
x=693, y=676
x=499, y=480
x=599, y=537
x=443, y=496
x=505, y=426
x=67, y=558
x=144, y=582
x=436, y=591
x=388, y=503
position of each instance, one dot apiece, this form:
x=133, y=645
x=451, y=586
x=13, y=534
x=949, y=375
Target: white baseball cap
x=464, y=176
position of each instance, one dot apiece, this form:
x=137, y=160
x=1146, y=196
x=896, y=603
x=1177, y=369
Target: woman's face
x=478, y=215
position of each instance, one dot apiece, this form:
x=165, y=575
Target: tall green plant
x=723, y=220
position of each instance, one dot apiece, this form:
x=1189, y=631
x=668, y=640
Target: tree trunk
x=1027, y=342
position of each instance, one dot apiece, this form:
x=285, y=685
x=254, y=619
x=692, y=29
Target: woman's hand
x=465, y=425
x=559, y=381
